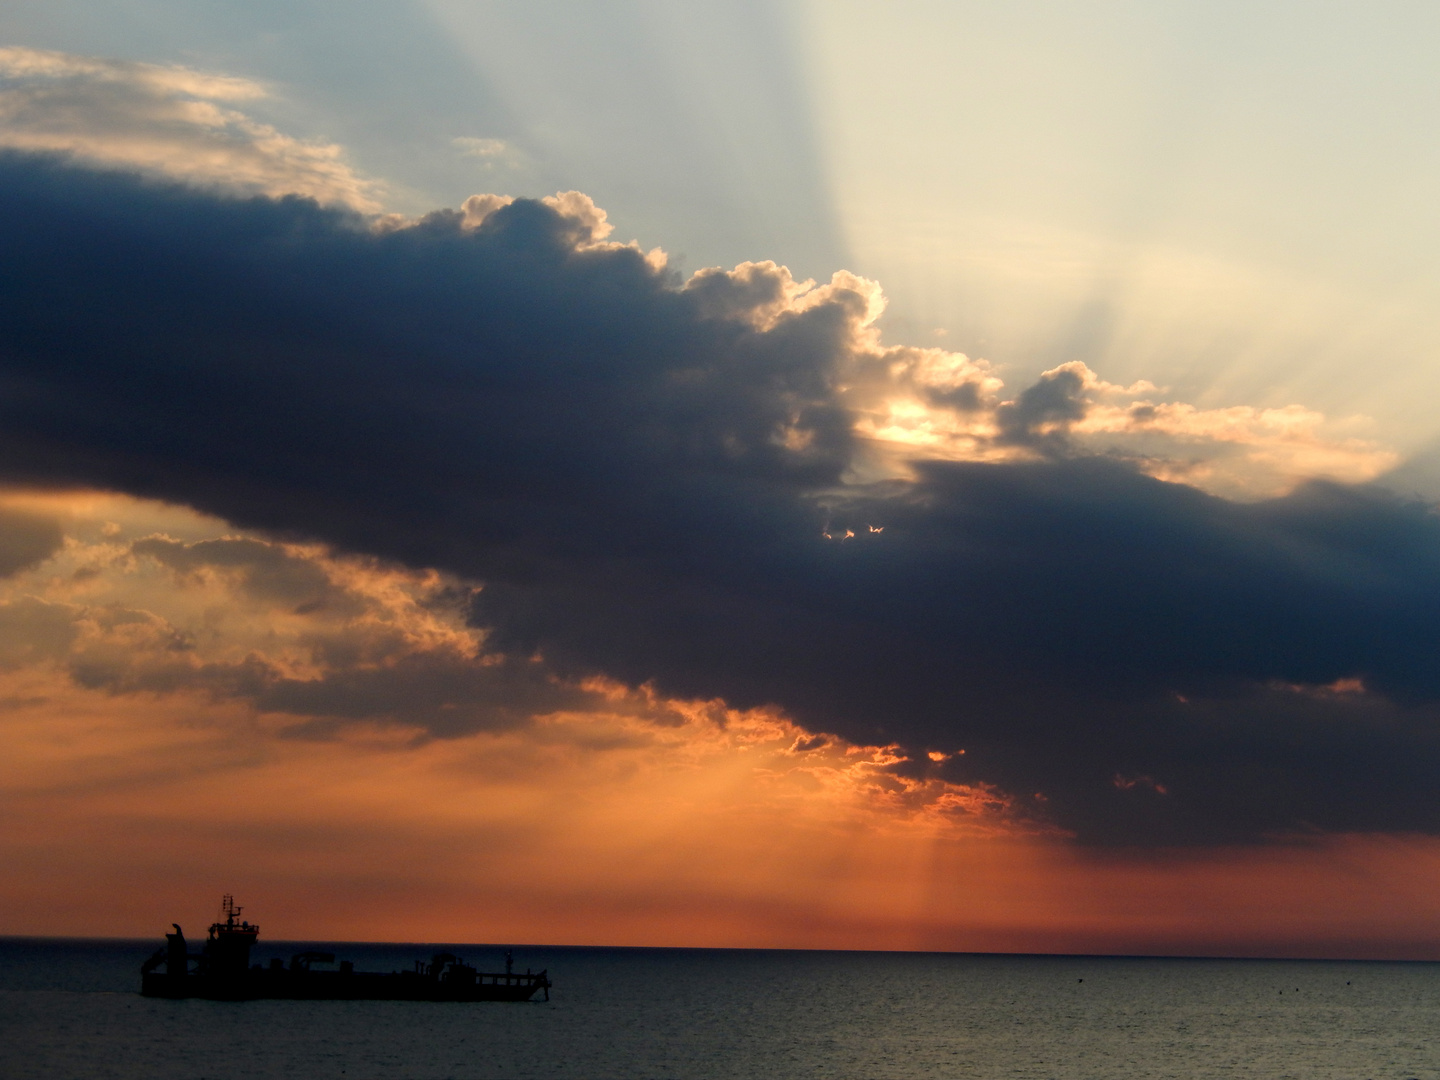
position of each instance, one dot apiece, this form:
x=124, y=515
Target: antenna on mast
x=229, y=911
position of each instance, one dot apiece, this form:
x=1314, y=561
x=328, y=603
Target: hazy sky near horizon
x=1046, y=577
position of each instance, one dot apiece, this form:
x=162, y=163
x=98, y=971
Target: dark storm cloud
x=643, y=475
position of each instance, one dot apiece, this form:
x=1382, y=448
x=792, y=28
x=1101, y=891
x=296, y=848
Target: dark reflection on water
x=69, y=1009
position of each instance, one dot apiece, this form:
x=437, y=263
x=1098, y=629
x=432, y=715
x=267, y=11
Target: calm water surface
x=70, y=1009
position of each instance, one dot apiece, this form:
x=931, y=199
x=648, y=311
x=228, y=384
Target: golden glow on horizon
x=135, y=786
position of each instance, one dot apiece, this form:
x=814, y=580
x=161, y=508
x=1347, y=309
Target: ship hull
x=340, y=986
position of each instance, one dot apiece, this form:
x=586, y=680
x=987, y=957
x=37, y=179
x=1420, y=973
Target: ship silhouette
x=222, y=971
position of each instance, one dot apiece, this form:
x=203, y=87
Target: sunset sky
x=909, y=476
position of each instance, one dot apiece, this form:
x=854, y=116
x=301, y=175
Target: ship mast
x=229, y=911
x=228, y=948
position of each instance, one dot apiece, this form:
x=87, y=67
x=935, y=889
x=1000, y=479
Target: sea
x=71, y=1008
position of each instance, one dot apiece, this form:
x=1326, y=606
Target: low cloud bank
x=691, y=484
